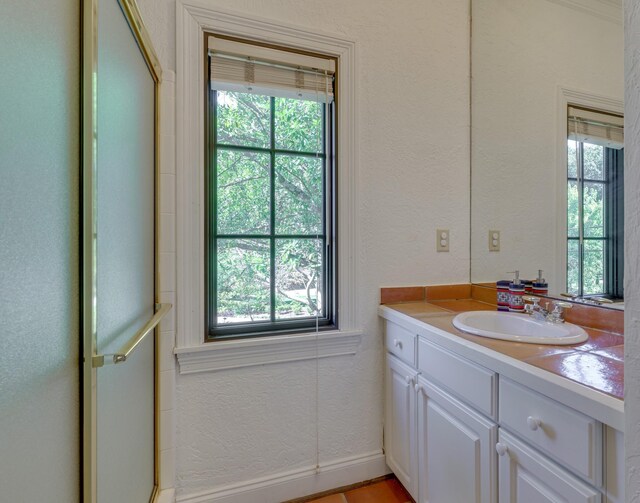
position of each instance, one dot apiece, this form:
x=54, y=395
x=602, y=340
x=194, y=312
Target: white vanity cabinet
x=440, y=449
x=457, y=431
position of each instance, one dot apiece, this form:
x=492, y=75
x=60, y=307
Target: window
x=196, y=350
x=595, y=204
x=270, y=202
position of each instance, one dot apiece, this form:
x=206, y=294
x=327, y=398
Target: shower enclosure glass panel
x=124, y=202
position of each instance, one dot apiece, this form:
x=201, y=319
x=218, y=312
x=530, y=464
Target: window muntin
x=271, y=256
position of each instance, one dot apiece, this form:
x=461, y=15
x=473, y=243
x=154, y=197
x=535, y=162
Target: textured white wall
x=632, y=250
x=413, y=97
x=522, y=51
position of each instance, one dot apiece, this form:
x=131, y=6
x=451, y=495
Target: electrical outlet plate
x=494, y=241
x=442, y=240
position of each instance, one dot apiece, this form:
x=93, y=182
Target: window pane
x=298, y=195
x=243, y=119
x=573, y=216
x=299, y=278
x=593, y=210
x=593, y=162
x=573, y=267
x=593, y=267
x=243, y=192
x=243, y=273
x=298, y=125
x=572, y=171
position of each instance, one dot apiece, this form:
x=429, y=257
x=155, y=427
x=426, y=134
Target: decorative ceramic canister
x=503, y=294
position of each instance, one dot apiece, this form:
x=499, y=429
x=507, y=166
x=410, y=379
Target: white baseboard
x=295, y=483
x=166, y=496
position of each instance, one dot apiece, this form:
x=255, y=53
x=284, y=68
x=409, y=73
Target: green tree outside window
x=269, y=210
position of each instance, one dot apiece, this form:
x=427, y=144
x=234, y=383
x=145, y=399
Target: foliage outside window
x=593, y=192
x=270, y=252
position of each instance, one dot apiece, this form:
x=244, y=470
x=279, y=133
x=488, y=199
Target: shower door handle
x=122, y=355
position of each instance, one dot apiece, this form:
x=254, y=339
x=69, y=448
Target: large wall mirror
x=547, y=143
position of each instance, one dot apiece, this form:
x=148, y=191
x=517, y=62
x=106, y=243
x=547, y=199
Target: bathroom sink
x=518, y=328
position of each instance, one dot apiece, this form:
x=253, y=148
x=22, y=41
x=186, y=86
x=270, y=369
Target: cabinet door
x=614, y=466
x=526, y=476
x=400, y=422
x=456, y=456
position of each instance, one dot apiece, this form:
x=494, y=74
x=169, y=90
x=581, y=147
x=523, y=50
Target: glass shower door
x=121, y=249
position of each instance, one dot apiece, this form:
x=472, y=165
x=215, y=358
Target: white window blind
x=248, y=68
x=599, y=128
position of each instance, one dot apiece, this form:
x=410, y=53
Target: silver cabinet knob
x=533, y=423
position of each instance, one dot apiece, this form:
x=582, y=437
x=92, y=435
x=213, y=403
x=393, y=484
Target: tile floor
x=385, y=491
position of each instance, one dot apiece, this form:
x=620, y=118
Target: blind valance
x=249, y=68
x=592, y=126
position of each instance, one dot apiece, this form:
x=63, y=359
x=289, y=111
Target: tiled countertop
x=596, y=363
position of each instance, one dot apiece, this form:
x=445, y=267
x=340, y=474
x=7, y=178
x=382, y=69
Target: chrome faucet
x=533, y=308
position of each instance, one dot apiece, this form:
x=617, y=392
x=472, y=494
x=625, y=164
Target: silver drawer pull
x=501, y=449
x=408, y=380
x=533, y=423
x=397, y=343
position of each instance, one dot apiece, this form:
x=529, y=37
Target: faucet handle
x=530, y=308
x=559, y=307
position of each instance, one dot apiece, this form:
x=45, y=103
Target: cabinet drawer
x=565, y=434
x=400, y=342
x=476, y=385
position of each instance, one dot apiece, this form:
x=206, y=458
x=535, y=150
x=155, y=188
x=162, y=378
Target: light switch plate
x=442, y=240
x=494, y=241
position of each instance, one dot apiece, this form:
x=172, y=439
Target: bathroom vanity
x=469, y=419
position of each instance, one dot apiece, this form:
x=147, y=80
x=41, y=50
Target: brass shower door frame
x=89, y=76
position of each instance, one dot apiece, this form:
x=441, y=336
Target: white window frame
x=194, y=355
x=566, y=97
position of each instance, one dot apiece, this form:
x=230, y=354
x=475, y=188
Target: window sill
x=232, y=354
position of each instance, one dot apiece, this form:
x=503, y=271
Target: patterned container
x=540, y=285
x=540, y=288
x=516, y=291
x=503, y=294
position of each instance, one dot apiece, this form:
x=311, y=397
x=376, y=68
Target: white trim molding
x=231, y=354
x=566, y=97
x=294, y=483
x=166, y=496
x=194, y=19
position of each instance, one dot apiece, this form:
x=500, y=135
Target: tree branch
x=238, y=182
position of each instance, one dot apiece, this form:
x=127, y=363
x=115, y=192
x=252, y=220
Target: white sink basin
x=518, y=327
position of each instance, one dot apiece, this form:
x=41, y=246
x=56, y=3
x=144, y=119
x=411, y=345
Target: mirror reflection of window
x=595, y=203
